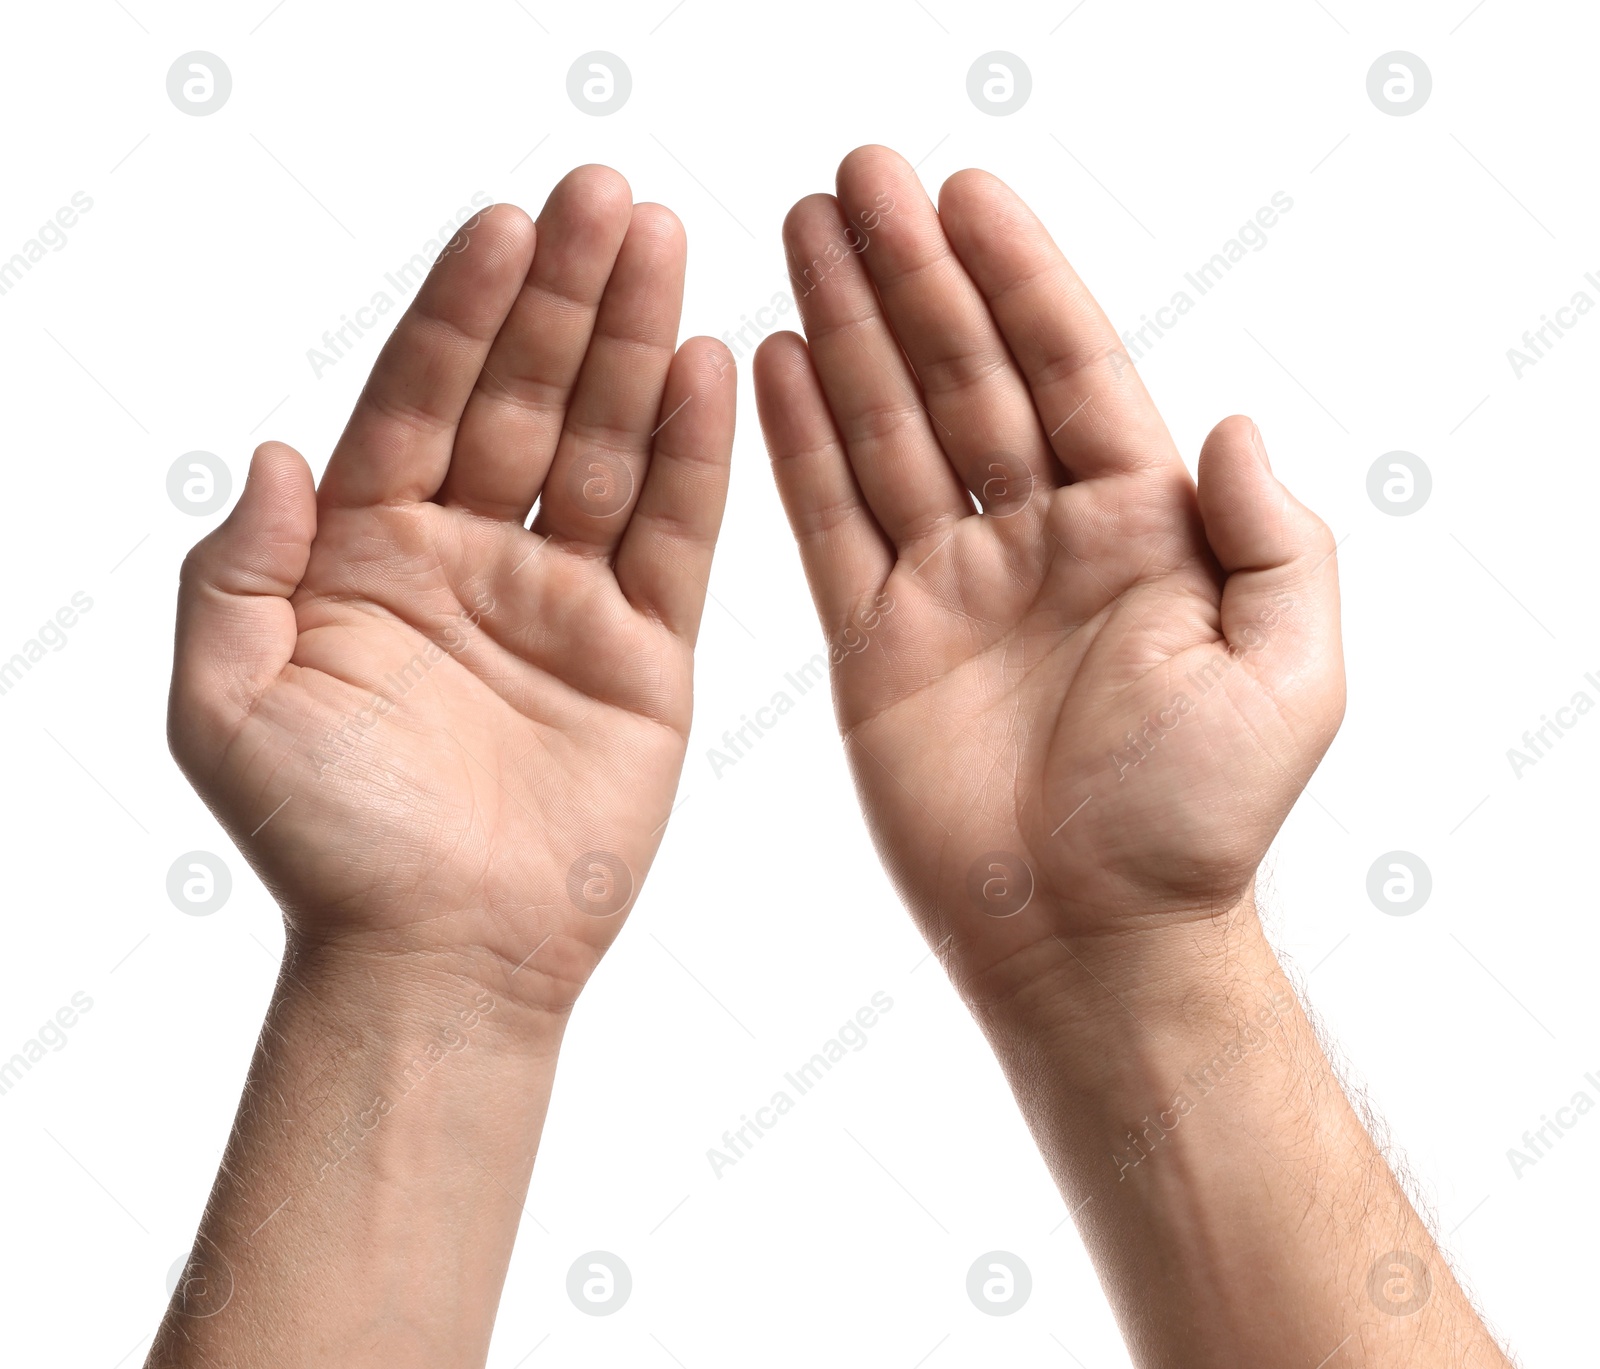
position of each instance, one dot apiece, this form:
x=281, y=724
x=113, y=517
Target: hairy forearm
x=1237, y=1210
x=367, y=1203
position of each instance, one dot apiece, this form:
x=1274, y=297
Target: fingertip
x=872, y=161
x=277, y=461
x=969, y=184
x=1233, y=488
x=706, y=356
x=777, y=349
x=1252, y=519
x=865, y=152
x=659, y=226
x=511, y=219
x=262, y=546
x=281, y=478
x=707, y=370
x=592, y=203
x=807, y=211
x=597, y=184
x=1235, y=430
x=781, y=363
x=1259, y=446
x=503, y=236
x=235, y=627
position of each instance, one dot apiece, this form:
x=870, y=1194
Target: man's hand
x=1089, y=708
x=449, y=745
x=429, y=727
x=1076, y=721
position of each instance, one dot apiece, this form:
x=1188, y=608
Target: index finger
x=397, y=444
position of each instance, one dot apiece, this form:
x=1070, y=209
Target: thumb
x=1280, y=601
x=236, y=629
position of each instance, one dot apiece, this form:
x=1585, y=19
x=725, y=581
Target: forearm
x=1237, y=1210
x=367, y=1203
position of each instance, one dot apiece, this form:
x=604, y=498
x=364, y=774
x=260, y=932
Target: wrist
x=418, y=996
x=1113, y=1041
x=1133, y=1000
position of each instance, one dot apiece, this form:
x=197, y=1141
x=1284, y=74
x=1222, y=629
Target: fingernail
x=1260, y=446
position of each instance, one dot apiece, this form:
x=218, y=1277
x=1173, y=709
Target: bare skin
x=1076, y=720
x=449, y=745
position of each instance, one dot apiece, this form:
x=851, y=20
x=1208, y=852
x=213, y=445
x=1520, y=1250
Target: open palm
x=1089, y=706
x=430, y=726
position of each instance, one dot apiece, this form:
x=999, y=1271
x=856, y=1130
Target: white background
x=178, y=316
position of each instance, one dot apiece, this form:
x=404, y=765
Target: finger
x=397, y=444
x=664, y=561
x=983, y=414
x=600, y=460
x=1093, y=406
x=512, y=422
x=846, y=556
x=909, y=484
x=236, y=629
x=1282, y=586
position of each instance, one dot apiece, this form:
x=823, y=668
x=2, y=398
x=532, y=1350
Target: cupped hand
x=1079, y=693
x=430, y=726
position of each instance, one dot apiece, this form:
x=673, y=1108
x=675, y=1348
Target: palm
x=989, y=670
x=532, y=716
x=1068, y=657
x=426, y=722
